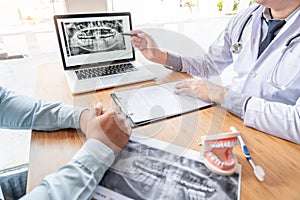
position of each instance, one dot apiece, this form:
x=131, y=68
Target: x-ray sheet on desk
x=148, y=104
x=146, y=169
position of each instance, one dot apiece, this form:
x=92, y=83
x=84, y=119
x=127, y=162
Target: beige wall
x=85, y=6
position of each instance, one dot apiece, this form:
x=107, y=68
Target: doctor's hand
x=148, y=47
x=109, y=127
x=202, y=89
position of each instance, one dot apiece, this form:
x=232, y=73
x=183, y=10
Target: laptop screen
x=88, y=39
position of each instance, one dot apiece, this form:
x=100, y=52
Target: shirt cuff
x=77, y=114
x=94, y=154
x=174, y=62
x=70, y=116
x=235, y=103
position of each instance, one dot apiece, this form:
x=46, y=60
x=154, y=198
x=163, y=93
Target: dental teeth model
x=217, y=152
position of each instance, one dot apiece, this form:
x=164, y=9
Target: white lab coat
x=271, y=110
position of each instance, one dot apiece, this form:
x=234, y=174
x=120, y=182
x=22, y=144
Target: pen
x=121, y=108
x=130, y=34
x=119, y=104
x=258, y=170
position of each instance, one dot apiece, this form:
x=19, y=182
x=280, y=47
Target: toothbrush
x=258, y=170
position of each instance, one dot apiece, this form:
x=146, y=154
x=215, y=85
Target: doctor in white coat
x=265, y=92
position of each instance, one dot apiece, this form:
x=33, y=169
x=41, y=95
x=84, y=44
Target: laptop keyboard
x=104, y=71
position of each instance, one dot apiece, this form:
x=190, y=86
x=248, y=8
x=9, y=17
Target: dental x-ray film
x=142, y=171
x=93, y=36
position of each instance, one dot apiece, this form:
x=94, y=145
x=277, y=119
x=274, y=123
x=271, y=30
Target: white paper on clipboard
x=153, y=103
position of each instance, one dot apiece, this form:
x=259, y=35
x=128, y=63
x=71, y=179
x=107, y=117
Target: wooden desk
x=279, y=158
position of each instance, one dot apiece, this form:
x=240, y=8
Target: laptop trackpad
x=121, y=79
x=111, y=80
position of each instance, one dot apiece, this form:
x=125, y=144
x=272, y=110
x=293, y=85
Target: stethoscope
x=237, y=47
x=272, y=81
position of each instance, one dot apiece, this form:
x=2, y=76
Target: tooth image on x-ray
x=92, y=37
x=143, y=172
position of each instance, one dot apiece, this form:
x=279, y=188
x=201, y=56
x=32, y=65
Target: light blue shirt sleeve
x=23, y=112
x=79, y=177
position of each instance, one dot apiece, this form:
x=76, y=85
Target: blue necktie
x=274, y=25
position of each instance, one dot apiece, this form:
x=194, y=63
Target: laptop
x=95, y=52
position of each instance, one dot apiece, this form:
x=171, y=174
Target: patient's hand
x=109, y=127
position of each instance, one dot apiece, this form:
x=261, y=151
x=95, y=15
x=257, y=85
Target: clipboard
x=153, y=103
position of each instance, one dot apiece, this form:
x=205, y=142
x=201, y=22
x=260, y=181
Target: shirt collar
x=266, y=14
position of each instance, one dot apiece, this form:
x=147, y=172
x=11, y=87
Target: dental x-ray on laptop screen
x=95, y=53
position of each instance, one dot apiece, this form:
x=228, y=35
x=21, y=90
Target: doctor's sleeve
x=79, y=177
x=218, y=57
x=275, y=118
x=210, y=64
